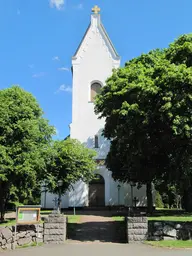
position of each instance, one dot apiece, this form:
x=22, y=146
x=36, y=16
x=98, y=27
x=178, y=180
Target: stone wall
x=169, y=230
x=25, y=235
x=137, y=229
x=55, y=229
x=52, y=231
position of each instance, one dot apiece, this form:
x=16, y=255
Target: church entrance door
x=97, y=192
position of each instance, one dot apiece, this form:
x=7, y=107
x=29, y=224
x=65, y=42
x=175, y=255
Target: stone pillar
x=55, y=229
x=137, y=229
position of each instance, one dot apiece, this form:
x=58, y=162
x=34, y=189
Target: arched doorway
x=97, y=191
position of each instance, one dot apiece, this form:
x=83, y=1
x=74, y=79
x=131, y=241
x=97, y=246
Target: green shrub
x=158, y=201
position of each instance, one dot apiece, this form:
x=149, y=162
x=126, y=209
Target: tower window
x=96, y=141
x=95, y=89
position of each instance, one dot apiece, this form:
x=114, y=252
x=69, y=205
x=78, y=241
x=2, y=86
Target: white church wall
x=78, y=196
x=48, y=200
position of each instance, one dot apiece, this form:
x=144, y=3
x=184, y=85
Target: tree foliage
x=70, y=162
x=158, y=200
x=148, y=110
x=25, y=137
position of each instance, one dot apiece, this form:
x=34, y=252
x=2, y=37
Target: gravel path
x=96, y=229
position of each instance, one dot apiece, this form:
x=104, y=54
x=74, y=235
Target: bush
x=158, y=201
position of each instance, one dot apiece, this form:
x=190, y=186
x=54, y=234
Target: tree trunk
x=2, y=211
x=3, y=196
x=2, y=206
x=187, y=200
x=149, y=198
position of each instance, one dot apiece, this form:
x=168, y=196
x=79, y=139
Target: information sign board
x=28, y=214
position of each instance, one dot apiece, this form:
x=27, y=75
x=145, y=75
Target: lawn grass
x=118, y=218
x=8, y=222
x=73, y=218
x=45, y=212
x=29, y=245
x=171, y=244
x=183, y=217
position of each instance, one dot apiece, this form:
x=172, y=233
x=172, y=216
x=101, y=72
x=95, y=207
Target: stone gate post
x=55, y=229
x=137, y=229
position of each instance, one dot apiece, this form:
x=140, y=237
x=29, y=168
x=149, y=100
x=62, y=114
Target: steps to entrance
x=97, y=229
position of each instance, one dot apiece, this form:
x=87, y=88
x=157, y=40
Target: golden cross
x=96, y=9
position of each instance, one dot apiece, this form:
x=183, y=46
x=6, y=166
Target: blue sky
x=39, y=37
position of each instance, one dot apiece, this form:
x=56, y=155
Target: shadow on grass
x=8, y=222
x=111, y=231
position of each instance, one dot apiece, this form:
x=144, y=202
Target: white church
x=92, y=64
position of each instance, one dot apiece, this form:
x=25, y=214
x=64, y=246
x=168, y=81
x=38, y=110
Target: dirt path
x=96, y=229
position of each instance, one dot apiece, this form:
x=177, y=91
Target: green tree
x=158, y=200
x=70, y=162
x=147, y=106
x=25, y=137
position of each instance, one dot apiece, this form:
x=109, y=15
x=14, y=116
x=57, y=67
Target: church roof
x=104, y=32
x=82, y=40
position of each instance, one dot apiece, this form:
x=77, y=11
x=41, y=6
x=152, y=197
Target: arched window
x=96, y=141
x=95, y=89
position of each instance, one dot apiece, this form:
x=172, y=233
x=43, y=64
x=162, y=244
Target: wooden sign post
x=27, y=215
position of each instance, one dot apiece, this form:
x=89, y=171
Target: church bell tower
x=92, y=64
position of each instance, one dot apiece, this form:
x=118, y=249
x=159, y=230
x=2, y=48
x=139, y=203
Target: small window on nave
x=95, y=89
x=96, y=141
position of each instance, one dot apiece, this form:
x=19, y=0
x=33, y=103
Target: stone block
x=21, y=234
x=137, y=225
x=56, y=220
x=56, y=231
x=158, y=233
x=53, y=225
x=9, y=246
x=54, y=242
x=169, y=231
x=39, y=240
x=137, y=232
x=6, y=233
x=12, y=228
x=137, y=219
x=136, y=238
x=10, y=240
x=183, y=234
x=46, y=231
x=28, y=235
x=155, y=238
x=24, y=240
x=39, y=235
x=3, y=242
x=32, y=233
x=157, y=224
x=53, y=238
x=178, y=226
x=169, y=238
